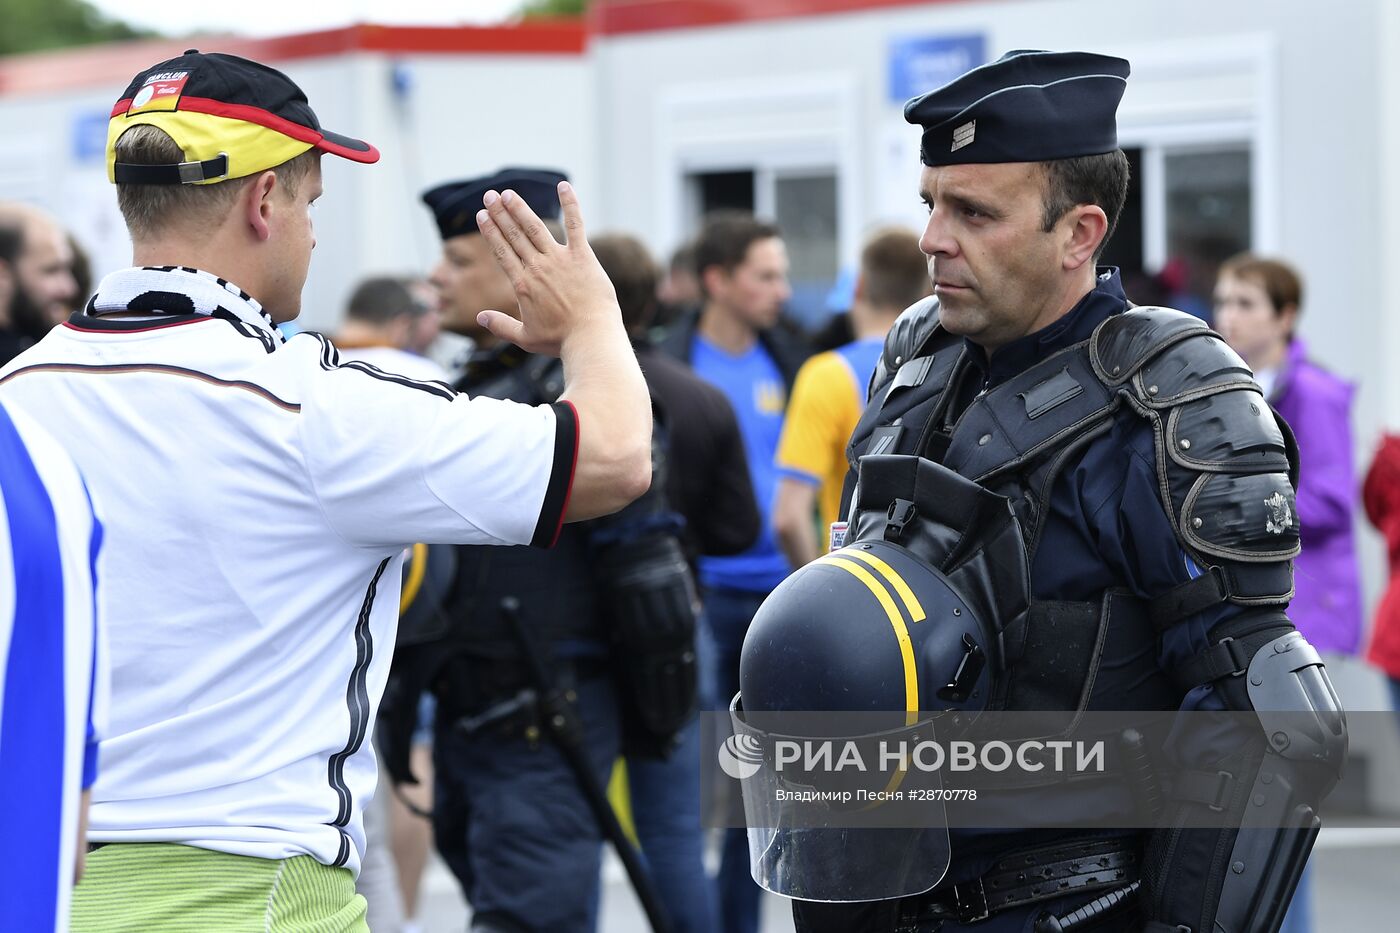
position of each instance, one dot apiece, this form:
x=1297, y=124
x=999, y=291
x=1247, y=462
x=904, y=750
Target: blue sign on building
x=89, y=135
x=919, y=64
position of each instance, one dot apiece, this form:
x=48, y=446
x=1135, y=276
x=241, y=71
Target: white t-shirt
x=51, y=670
x=257, y=500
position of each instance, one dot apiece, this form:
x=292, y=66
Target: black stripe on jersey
x=117, y=368
x=357, y=701
x=440, y=389
x=330, y=356
x=247, y=330
x=330, y=359
x=561, y=476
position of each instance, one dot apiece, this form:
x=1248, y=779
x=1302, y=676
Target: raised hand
x=561, y=288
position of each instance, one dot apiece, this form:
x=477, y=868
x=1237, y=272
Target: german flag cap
x=231, y=116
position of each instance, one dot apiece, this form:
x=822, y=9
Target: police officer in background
x=1152, y=492
x=512, y=814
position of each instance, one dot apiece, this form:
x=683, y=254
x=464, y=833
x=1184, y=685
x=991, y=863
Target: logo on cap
x=964, y=135
x=741, y=756
x=160, y=91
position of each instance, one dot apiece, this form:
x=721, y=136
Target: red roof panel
x=114, y=63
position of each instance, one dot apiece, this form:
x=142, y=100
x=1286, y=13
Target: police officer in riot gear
x=1151, y=494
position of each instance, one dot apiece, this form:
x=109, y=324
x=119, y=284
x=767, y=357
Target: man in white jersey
x=50, y=675
x=258, y=495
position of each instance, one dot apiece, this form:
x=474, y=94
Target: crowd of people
x=669, y=443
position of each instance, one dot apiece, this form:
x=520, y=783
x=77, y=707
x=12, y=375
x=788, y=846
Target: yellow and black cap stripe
x=232, y=117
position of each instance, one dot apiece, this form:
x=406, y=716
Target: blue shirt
x=49, y=541
x=861, y=356
x=754, y=386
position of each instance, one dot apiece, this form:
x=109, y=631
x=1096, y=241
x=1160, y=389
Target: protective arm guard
x=1227, y=466
x=1306, y=745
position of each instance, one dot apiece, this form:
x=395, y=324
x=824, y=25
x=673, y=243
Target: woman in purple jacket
x=1256, y=310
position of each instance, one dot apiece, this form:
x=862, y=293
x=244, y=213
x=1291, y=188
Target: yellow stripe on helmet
x=906, y=647
x=911, y=602
x=250, y=148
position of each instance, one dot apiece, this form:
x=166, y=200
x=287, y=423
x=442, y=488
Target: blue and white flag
x=51, y=680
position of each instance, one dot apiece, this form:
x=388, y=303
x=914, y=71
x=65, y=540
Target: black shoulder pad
x=1201, y=364
x=1123, y=343
x=1170, y=357
x=1226, y=462
x=1229, y=464
x=909, y=332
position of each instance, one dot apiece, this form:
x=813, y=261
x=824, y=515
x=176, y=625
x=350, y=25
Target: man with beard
x=36, y=276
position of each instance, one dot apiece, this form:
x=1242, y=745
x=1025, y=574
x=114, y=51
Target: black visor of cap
x=345, y=142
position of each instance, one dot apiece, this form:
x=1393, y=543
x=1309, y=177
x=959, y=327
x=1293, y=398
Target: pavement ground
x=1356, y=878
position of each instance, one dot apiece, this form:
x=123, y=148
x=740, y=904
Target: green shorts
x=156, y=887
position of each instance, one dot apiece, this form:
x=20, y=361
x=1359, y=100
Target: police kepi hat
x=1027, y=106
x=454, y=204
x=231, y=116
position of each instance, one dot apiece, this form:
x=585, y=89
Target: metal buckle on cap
x=970, y=901
x=209, y=170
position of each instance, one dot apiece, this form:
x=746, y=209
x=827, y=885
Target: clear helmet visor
x=812, y=833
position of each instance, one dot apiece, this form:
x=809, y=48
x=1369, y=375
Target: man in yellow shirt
x=829, y=394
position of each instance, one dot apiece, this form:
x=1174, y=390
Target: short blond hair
x=151, y=209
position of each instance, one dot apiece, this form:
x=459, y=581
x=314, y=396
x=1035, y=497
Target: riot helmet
x=887, y=642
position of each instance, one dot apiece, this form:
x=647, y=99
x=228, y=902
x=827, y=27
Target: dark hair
x=725, y=239
x=148, y=209
x=11, y=238
x=1279, y=280
x=893, y=270
x=379, y=300
x=683, y=259
x=634, y=276
x=1095, y=179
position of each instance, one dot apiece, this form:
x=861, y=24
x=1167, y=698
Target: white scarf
x=163, y=290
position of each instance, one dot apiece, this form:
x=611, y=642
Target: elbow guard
x=1305, y=738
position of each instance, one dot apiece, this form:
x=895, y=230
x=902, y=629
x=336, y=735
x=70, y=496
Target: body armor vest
x=1016, y=438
